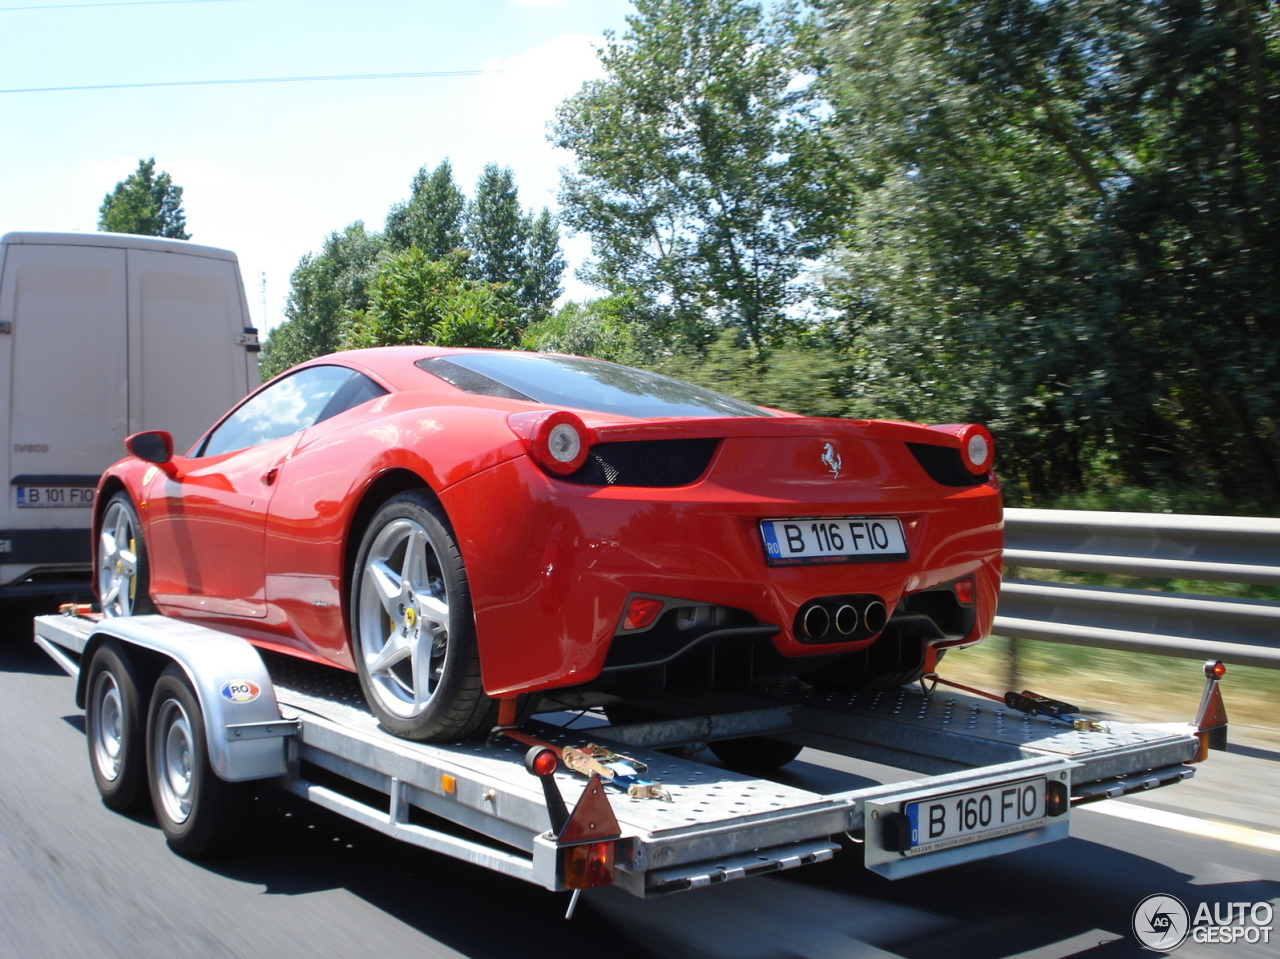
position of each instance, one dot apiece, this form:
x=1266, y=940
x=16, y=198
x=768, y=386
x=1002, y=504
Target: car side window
x=359, y=389
x=283, y=408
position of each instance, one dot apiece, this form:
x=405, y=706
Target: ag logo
x=1161, y=923
x=240, y=691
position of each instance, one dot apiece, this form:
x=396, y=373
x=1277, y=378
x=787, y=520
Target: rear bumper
x=551, y=565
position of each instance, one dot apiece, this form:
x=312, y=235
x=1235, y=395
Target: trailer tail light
x=542, y=762
x=587, y=866
x=1211, y=719
x=1057, y=798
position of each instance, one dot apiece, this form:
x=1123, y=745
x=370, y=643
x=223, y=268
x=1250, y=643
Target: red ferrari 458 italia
x=462, y=526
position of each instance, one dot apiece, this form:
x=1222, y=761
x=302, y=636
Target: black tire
x=115, y=727
x=123, y=573
x=202, y=816
x=412, y=629
x=754, y=754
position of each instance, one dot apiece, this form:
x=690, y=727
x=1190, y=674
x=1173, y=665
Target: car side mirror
x=154, y=446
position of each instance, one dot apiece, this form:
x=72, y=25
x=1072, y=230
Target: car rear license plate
x=959, y=818
x=34, y=497
x=844, y=539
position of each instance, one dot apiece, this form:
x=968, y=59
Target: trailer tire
x=201, y=815
x=413, y=632
x=115, y=724
x=124, y=572
x=754, y=754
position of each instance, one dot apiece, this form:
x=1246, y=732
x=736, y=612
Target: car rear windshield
x=582, y=384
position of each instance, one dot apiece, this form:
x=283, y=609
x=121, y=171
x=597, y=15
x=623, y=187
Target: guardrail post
x=1014, y=680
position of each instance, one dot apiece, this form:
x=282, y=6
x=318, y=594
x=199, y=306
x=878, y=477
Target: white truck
x=103, y=335
x=188, y=720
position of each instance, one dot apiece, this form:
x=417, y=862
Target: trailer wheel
x=413, y=631
x=754, y=754
x=124, y=575
x=201, y=815
x=114, y=719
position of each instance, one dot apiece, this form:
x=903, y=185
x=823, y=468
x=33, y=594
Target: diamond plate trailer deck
x=308, y=730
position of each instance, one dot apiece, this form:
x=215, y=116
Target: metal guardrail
x=1214, y=548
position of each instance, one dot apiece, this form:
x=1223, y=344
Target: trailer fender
x=245, y=732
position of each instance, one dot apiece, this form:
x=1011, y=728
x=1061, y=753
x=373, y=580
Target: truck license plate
x=35, y=497
x=959, y=818
x=841, y=539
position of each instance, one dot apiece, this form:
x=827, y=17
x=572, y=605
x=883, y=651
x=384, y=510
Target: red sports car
x=461, y=526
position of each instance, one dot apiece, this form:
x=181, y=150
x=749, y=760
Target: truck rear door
x=66, y=359
x=186, y=311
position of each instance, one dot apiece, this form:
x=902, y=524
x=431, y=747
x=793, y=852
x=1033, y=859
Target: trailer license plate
x=961, y=818
x=843, y=539
x=38, y=497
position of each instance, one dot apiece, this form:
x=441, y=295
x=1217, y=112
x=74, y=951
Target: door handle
x=269, y=477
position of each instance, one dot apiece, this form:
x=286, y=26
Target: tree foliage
x=481, y=272
x=696, y=160
x=511, y=246
x=414, y=299
x=327, y=287
x=608, y=328
x=146, y=203
x=432, y=218
x=1069, y=228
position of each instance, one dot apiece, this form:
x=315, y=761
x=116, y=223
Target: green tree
x=1069, y=228
x=146, y=203
x=326, y=287
x=540, y=285
x=357, y=289
x=511, y=246
x=699, y=173
x=496, y=229
x=413, y=299
x=432, y=218
x=605, y=328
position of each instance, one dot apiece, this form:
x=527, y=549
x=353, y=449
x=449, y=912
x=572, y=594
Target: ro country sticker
x=240, y=691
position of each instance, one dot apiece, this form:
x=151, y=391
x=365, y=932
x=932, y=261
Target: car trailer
x=993, y=776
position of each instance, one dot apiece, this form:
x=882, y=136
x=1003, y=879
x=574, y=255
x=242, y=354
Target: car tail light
x=588, y=865
x=977, y=449
x=641, y=612
x=964, y=591
x=558, y=442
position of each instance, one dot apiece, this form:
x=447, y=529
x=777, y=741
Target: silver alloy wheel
x=403, y=618
x=174, y=758
x=106, y=732
x=118, y=560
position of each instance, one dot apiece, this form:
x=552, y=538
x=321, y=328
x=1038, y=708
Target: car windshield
x=582, y=384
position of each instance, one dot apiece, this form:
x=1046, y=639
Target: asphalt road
x=81, y=882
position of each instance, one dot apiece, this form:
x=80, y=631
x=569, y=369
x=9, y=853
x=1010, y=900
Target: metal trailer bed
x=307, y=729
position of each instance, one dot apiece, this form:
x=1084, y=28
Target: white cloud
x=524, y=96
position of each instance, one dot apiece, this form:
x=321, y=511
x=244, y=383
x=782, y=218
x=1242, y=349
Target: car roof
x=394, y=365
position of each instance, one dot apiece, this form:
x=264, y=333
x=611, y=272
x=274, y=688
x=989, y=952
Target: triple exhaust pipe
x=835, y=619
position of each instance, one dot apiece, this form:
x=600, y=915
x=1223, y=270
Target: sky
x=269, y=170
